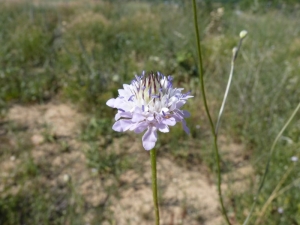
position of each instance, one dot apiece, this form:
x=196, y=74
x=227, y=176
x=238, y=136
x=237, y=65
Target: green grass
x=84, y=52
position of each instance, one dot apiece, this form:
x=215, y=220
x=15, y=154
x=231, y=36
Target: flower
x=280, y=210
x=294, y=158
x=243, y=34
x=149, y=102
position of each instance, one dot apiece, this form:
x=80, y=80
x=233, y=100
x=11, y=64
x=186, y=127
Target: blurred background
x=60, y=61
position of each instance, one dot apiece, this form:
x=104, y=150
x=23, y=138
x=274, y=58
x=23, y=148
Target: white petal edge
x=111, y=102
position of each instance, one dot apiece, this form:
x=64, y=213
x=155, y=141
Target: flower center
x=152, y=90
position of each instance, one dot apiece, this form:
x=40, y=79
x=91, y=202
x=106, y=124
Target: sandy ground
x=186, y=196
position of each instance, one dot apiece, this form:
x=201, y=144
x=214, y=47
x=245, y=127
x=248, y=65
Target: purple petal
x=170, y=121
x=172, y=105
x=185, y=128
x=187, y=97
x=117, y=116
x=186, y=114
x=179, y=114
x=141, y=127
x=179, y=104
x=122, y=125
x=150, y=118
x=111, y=103
x=122, y=92
x=163, y=128
x=126, y=87
x=137, y=117
x=149, y=139
x=138, y=110
x=124, y=105
x=122, y=114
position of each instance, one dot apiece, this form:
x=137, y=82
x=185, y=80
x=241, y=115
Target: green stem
x=201, y=75
x=154, y=184
x=235, y=52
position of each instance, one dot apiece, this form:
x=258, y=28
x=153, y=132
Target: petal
x=150, y=118
x=117, y=116
x=122, y=92
x=170, y=121
x=172, y=106
x=138, y=110
x=187, y=97
x=149, y=139
x=179, y=104
x=124, y=105
x=122, y=114
x=186, y=114
x=122, y=125
x=179, y=115
x=137, y=117
x=141, y=127
x=185, y=128
x=126, y=87
x=163, y=128
x=111, y=103
x=165, y=110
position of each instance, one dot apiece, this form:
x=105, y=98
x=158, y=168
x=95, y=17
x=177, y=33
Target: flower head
x=149, y=102
x=280, y=210
x=294, y=158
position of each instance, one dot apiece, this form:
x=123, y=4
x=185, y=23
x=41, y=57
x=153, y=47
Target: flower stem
x=208, y=113
x=154, y=184
x=234, y=56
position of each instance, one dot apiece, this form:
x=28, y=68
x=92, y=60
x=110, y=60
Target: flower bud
x=243, y=34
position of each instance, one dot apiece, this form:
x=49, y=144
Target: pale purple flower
x=149, y=103
x=294, y=158
x=280, y=210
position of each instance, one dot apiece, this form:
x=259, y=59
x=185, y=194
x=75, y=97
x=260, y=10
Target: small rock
x=66, y=177
x=37, y=139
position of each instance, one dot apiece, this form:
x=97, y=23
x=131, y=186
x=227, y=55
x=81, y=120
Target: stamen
x=155, y=96
x=149, y=80
x=137, y=78
x=130, y=98
x=186, y=94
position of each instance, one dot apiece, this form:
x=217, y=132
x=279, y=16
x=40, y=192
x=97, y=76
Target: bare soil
x=186, y=196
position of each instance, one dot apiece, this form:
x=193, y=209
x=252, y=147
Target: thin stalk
x=207, y=111
x=154, y=185
x=235, y=52
x=225, y=96
x=268, y=163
